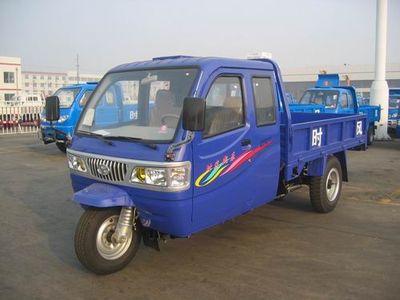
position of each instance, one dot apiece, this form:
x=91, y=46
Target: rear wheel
x=62, y=147
x=370, y=135
x=95, y=247
x=325, y=190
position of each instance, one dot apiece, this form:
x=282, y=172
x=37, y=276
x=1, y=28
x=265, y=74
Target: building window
x=64, y=78
x=8, y=97
x=26, y=76
x=34, y=84
x=57, y=77
x=9, y=77
x=50, y=84
x=224, y=106
x=34, y=76
x=26, y=84
x=42, y=77
x=49, y=77
x=42, y=85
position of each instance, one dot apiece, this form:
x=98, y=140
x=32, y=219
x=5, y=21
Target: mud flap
x=150, y=238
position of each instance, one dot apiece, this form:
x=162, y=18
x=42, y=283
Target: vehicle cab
x=72, y=100
x=330, y=97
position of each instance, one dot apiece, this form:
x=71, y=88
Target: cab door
x=237, y=156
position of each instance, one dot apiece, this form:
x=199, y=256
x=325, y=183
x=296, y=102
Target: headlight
x=63, y=119
x=179, y=176
x=76, y=163
x=168, y=177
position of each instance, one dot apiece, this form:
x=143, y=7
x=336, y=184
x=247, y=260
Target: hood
x=127, y=149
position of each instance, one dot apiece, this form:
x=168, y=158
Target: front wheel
x=325, y=190
x=94, y=245
x=62, y=147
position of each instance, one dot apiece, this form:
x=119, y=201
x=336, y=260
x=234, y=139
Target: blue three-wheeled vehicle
x=211, y=139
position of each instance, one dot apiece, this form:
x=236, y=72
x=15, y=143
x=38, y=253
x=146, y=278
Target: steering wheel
x=163, y=117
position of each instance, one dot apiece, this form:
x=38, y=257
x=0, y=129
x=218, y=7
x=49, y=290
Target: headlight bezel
x=170, y=179
x=77, y=163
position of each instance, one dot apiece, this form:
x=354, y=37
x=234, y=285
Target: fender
x=341, y=156
x=317, y=167
x=102, y=195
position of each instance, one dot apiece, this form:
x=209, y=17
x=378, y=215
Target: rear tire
x=62, y=147
x=94, y=246
x=325, y=190
x=370, y=136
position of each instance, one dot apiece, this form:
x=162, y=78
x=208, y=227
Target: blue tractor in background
x=72, y=100
x=394, y=112
x=329, y=97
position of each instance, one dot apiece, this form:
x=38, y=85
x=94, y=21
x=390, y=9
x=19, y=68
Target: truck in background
x=72, y=100
x=394, y=112
x=329, y=97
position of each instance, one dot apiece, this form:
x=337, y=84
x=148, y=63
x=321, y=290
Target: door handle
x=246, y=142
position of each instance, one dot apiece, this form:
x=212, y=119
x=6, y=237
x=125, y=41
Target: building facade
x=14, y=81
x=46, y=83
x=10, y=77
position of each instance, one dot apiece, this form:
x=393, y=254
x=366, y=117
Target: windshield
x=67, y=96
x=394, y=102
x=140, y=105
x=325, y=98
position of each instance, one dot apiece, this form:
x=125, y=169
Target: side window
x=85, y=98
x=343, y=101
x=350, y=101
x=129, y=91
x=264, y=100
x=224, y=106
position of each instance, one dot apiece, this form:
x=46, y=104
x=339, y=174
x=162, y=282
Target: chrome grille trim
x=118, y=170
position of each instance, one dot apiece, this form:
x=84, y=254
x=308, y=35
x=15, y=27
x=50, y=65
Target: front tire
x=325, y=190
x=94, y=246
x=62, y=147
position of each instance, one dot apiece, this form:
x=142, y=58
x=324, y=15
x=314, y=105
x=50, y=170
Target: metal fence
x=19, y=119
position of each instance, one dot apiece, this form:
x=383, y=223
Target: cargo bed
x=312, y=137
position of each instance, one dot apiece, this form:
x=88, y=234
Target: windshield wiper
x=129, y=138
x=99, y=136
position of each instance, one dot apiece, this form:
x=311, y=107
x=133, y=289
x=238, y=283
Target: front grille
x=117, y=170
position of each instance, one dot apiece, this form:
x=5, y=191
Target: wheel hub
x=107, y=247
x=332, y=184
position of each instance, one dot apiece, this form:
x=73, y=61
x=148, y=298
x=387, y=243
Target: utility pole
x=77, y=68
x=379, y=92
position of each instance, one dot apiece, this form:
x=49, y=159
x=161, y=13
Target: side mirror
x=52, y=108
x=194, y=112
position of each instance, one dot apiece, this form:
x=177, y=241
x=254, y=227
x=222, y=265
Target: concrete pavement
x=280, y=251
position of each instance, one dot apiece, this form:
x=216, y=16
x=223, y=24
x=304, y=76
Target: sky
x=48, y=34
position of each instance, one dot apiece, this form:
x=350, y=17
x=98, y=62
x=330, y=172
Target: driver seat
x=164, y=105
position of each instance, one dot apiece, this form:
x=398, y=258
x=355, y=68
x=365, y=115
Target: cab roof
x=80, y=85
x=210, y=63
